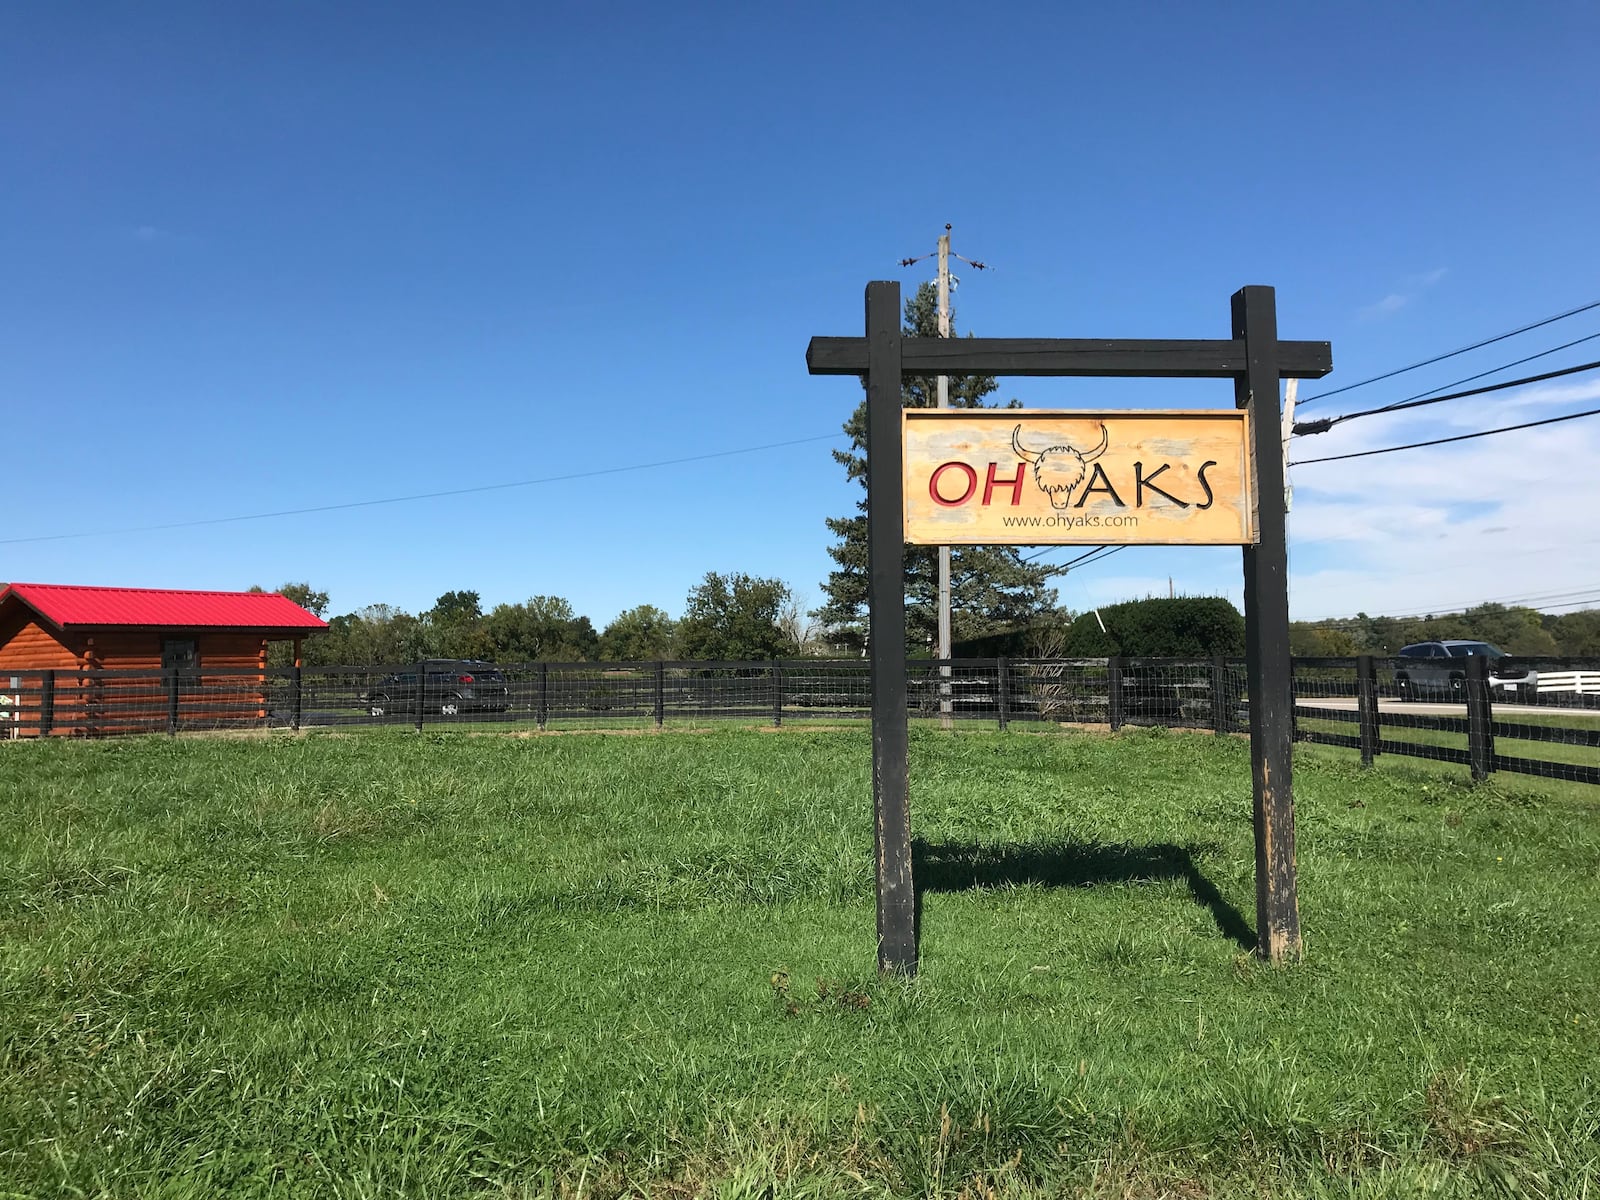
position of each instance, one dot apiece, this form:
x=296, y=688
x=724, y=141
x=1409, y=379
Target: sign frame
x=1255, y=360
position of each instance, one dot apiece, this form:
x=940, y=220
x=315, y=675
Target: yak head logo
x=1058, y=470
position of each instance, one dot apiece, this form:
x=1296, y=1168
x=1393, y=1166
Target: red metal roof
x=67, y=605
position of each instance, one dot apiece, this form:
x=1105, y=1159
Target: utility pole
x=945, y=719
x=1290, y=390
x=943, y=649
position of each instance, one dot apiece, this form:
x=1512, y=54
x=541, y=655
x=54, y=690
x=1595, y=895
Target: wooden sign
x=1176, y=477
x=1042, y=477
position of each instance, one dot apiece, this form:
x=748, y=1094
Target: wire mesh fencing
x=447, y=694
x=109, y=703
x=1467, y=712
x=1541, y=720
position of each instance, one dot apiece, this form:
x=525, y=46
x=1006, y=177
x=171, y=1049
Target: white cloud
x=1410, y=287
x=1507, y=517
x=1388, y=306
x=1427, y=278
x=1551, y=393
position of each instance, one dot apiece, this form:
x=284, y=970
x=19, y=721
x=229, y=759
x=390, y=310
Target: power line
x=1053, y=549
x=1326, y=423
x=1591, y=589
x=1098, y=554
x=1352, y=624
x=1533, y=600
x=487, y=487
x=1587, y=603
x=1465, y=437
x=1571, y=312
x=1550, y=600
x=1516, y=362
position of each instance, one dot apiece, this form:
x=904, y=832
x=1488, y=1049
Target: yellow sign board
x=1020, y=476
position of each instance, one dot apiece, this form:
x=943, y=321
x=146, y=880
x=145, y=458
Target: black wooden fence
x=1349, y=702
x=1549, y=723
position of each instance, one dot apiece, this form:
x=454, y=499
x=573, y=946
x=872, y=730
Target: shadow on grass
x=964, y=866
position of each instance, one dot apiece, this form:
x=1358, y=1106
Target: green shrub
x=1181, y=627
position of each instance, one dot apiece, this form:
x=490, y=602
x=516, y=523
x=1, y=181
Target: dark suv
x=447, y=686
x=1438, y=668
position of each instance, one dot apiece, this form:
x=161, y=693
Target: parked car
x=1439, y=669
x=447, y=686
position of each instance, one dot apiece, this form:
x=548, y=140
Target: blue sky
x=260, y=258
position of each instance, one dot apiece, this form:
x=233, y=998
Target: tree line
x=728, y=617
x=1002, y=603
x=741, y=618
x=1515, y=629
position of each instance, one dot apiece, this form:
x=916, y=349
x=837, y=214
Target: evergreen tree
x=992, y=589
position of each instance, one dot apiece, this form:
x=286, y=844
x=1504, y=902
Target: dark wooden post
x=1114, y=704
x=1221, y=702
x=542, y=705
x=777, y=694
x=47, y=703
x=1266, y=611
x=296, y=689
x=1480, y=718
x=1002, y=696
x=172, y=702
x=661, y=694
x=897, y=932
x=1367, y=707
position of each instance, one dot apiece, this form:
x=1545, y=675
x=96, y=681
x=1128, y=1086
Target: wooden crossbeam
x=1137, y=358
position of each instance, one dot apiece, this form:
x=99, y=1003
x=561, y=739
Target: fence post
x=91, y=695
x=172, y=702
x=47, y=703
x=1221, y=706
x=661, y=694
x=777, y=694
x=1480, y=718
x=422, y=693
x=542, y=707
x=1367, y=706
x=1002, y=696
x=296, y=684
x=1114, y=713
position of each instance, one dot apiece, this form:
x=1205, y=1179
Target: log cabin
x=89, y=661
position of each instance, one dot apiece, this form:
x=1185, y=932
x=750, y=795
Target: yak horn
x=1105, y=440
x=1031, y=456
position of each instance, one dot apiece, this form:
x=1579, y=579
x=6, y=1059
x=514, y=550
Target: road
x=1431, y=709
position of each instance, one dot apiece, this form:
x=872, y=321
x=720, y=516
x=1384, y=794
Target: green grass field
x=391, y=965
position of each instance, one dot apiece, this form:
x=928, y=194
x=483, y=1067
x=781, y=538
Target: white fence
x=1581, y=682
